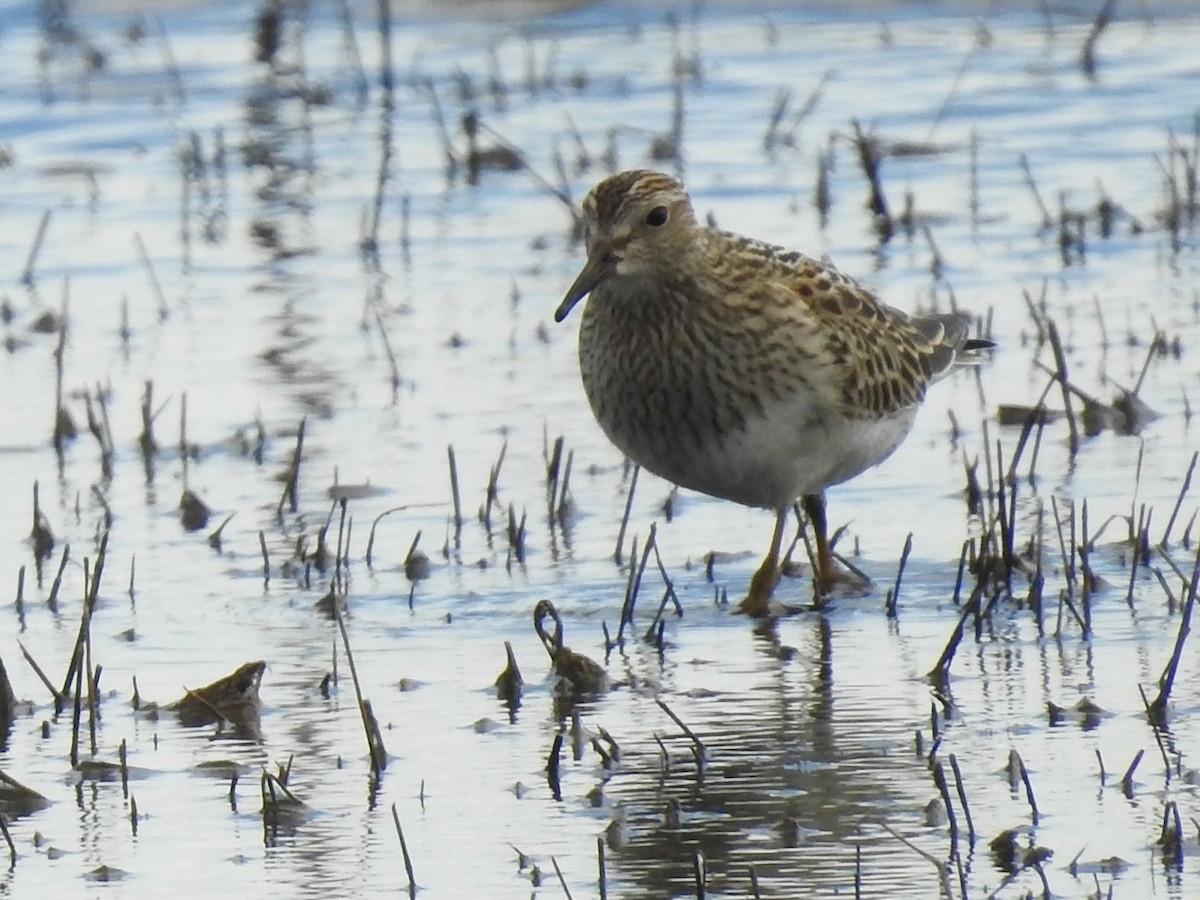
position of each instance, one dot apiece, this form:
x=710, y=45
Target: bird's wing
x=880, y=360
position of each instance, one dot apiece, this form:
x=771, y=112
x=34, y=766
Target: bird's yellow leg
x=762, y=585
x=826, y=575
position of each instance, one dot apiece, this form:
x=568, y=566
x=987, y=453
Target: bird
x=742, y=369
x=575, y=673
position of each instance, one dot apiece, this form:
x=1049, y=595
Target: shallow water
x=271, y=314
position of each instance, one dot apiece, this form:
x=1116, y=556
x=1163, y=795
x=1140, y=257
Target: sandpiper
x=739, y=368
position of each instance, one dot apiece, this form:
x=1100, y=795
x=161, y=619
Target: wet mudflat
x=222, y=227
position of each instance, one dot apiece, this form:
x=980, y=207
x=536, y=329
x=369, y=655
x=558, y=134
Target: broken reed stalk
x=64, y=427
x=1127, y=778
x=262, y=545
x=1060, y=367
x=290, y=488
x=52, y=597
x=408, y=866
x=603, y=874
x=516, y=533
x=375, y=746
x=54, y=692
x=12, y=849
x=561, y=880
x=1087, y=58
x=894, y=594
x=77, y=687
x=393, y=365
x=552, y=776
x=485, y=514
x=375, y=524
x=962, y=798
x=634, y=583
x=869, y=159
x=939, y=675
x=1187, y=483
x=454, y=493
x=89, y=603
x=617, y=552
x=1014, y=760
x=701, y=753
x=1047, y=220
x=553, y=471
x=1170, y=836
x=939, y=779
x=39, y=236
x=340, y=551
x=163, y=312
x=1158, y=708
x=387, y=106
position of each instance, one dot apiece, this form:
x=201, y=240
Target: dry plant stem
x=58, y=697
x=52, y=597
x=635, y=583
x=1088, y=55
x=962, y=566
x=408, y=866
x=86, y=615
x=27, y=276
x=458, y=519
x=375, y=745
x=291, y=486
x=1014, y=756
x=895, y=592
x=1187, y=483
x=552, y=767
x=939, y=779
x=1127, y=778
x=618, y=551
x=1047, y=221
x=939, y=675
x=600, y=863
x=701, y=753
x=868, y=157
x=374, y=525
x=149, y=267
x=12, y=850
x=962, y=798
x=553, y=469
x=262, y=545
x=1158, y=708
x=387, y=106
x=492, y=488
x=561, y=880
x=700, y=871
x=1060, y=366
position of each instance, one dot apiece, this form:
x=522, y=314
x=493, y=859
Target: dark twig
x=1158, y=708
x=617, y=553
x=408, y=866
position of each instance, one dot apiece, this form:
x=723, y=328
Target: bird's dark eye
x=657, y=217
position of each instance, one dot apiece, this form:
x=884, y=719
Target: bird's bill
x=595, y=270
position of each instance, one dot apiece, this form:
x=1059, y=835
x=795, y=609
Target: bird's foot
x=756, y=603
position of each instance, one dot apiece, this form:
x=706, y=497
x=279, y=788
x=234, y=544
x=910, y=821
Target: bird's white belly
x=775, y=458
